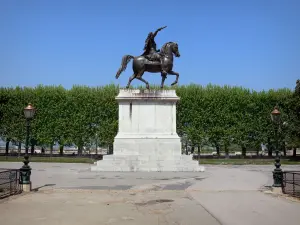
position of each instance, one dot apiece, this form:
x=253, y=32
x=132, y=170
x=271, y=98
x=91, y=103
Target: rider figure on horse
x=150, y=51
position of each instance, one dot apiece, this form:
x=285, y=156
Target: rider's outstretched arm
x=159, y=29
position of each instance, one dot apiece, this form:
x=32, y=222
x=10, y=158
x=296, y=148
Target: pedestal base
x=26, y=187
x=277, y=190
x=147, y=139
x=134, y=163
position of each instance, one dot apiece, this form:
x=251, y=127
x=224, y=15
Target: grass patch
x=247, y=161
x=48, y=159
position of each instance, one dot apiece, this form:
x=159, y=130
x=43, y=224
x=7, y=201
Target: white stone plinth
x=26, y=187
x=147, y=139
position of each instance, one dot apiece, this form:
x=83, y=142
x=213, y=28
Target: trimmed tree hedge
x=215, y=115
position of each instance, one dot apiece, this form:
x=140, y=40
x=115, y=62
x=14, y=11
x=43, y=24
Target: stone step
x=147, y=169
x=148, y=163
x=147, y=157
x=135, y=165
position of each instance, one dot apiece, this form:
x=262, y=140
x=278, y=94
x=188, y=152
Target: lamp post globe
x=29, y=111
x=275, y=115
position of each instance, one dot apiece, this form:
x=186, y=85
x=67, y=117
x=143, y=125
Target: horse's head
x=175, y=49
x=170, y=48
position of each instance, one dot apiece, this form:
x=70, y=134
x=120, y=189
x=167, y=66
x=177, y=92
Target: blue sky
x=254, y=44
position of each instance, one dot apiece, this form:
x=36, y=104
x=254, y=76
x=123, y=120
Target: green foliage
x=13, y=121
x=52, y=116
x=292, y=127
x=228, y=115
x=210, y=115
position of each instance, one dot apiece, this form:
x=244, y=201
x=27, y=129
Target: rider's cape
x=148, y=45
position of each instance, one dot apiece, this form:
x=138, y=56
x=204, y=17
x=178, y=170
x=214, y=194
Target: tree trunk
x=226, y=152
x=294, y=152
x=96, y=146
x=108, y=149
x=284, y=148
x=244, y=151
x=186, y=148
x=51, y=150
x=19, y=148
x=269, y=147
x=111, y=150
x=193, y=149
x=218, y=149
x=198, y=153
x=7, y=146
x=61, y=149
x=80, y=150
x=32, y=149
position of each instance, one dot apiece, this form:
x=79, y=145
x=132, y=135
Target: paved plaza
x=71, y=194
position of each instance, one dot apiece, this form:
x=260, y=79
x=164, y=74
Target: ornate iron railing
x=9, y=182
x=291, y=183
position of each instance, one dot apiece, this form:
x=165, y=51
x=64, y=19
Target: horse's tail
x=125, y=60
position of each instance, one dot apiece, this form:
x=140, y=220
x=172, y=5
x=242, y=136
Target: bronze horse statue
x=163, y=65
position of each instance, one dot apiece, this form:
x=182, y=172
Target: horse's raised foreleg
x=163, y=77
x=177, y=76
x=130, y=79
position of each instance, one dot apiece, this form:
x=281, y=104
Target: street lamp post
x=186, y=147
x=29, y=112
x=277, y=173
x=25, y=170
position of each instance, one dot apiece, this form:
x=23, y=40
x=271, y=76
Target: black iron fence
x=9, y=182
x=291, y=183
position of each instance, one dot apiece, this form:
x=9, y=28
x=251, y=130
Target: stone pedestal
x=277, y=190
x=26, y=187
x=147, y=139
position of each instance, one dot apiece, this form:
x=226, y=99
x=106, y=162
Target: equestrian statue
x=152, y=60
